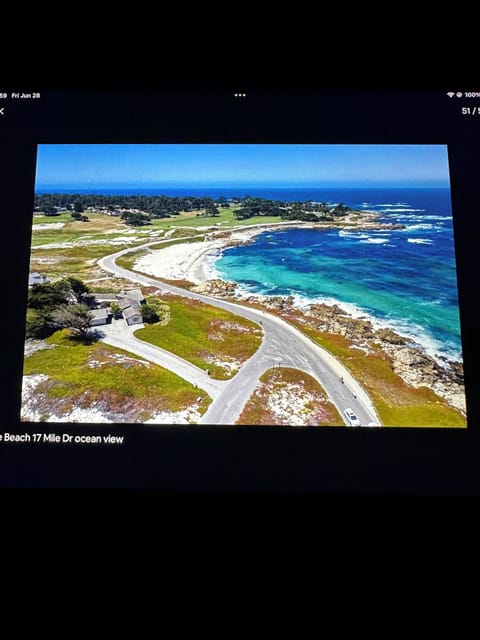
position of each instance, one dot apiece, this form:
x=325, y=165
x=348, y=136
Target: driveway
x=119, y=334
x=283, y=344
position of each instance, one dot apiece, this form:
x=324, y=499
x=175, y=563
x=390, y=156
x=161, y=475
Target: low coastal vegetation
x=123, y=387
x=398, y=403
x=64, y=245
x=286, y=396
x=210, y=338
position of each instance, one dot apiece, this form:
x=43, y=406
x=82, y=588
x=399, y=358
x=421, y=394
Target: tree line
x=67, y=304
x=154, y=206
x=307, y=211
x=137, y=210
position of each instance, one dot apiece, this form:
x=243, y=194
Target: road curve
x=120, y=335
x=283, y=345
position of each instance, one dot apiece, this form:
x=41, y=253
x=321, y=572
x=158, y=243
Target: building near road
x=132, y=315
x=100, y=316
x=130, y=302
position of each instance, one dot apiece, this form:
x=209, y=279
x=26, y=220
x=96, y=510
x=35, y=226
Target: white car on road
x=352, y=418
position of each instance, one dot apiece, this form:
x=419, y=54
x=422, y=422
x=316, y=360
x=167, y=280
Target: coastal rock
x=408, y=361
x=420, y=370
x=412, y=357
x=325, y=310
x=215, y=288
x=387, y=335
x=332, y=319
x=281, y=302
x=277, y=303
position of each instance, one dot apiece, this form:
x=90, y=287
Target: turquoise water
x=405, y=279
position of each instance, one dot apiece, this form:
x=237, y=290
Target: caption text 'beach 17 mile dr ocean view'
x=289, y=285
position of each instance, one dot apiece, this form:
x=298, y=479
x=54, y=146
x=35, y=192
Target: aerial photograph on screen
x=257, y=285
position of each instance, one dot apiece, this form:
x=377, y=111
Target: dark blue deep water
x=405, y=279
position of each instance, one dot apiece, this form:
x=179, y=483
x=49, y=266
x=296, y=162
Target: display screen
x=286, y=285
x=238, y=276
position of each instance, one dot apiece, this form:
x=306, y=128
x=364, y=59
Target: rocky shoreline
x=194, y=264
x=408, y=359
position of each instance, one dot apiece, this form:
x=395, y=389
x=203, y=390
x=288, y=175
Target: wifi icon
x=450, y=94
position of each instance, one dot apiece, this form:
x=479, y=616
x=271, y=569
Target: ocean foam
x=416, y=227
x=417, y=334
x=425, y=217
x=400, y=210
x=375, y=240
x=352, y=234
x=414, y=332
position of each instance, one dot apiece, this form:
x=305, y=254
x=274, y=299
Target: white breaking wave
x=416, y=333
x=352, y=234
x=420, y=240
x=375, y=240
x=426, y=217
x=416, y=227
x=400, y=210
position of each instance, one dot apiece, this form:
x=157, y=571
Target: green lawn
x=210, y=338
x=81, y=374
x=226, y=219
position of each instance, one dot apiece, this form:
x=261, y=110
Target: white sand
x=48, y=226
x=190, y=261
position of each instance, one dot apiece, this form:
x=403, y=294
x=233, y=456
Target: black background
x=386, y=461
x=316, y=559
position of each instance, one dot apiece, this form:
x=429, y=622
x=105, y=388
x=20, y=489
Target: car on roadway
x=351, y=416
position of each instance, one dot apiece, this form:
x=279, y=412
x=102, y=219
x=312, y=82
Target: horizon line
x=259, y=185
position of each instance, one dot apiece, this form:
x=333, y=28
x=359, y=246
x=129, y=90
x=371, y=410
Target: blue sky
x=223, y=165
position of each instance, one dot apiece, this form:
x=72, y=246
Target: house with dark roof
x=99, y=316
x=129, y=301
x=132, y=315
x=134, y=294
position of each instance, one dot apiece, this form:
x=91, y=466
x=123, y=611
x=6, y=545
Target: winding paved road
x=282, y=345
x=118, y=334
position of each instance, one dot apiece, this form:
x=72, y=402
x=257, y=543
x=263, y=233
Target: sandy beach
x=192, y=261
x=195, y=262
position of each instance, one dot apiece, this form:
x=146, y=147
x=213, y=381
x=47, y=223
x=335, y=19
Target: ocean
x=404, y=279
